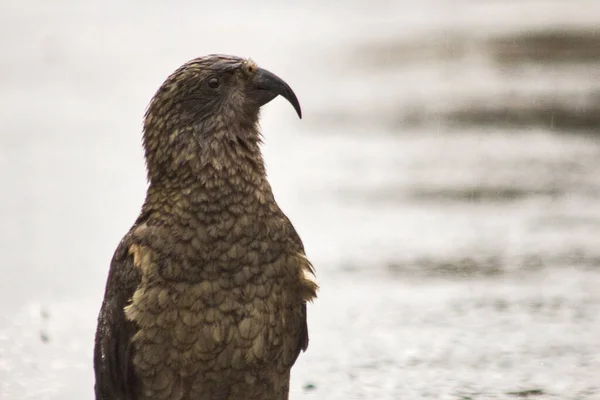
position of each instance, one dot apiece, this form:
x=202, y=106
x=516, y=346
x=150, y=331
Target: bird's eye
x=213, y=83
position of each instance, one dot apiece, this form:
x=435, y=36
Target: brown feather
x=206, y=295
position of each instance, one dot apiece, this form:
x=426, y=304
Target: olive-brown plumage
x=206, y=294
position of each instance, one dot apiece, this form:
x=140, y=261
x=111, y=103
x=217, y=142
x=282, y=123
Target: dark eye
x=213, y=83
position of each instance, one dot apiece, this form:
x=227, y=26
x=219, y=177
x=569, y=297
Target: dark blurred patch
x=483, y=194
x=45, y=314
x=492, y=264
x=547, y=46
x=465, y=267
x=553, y=114
x=549, y=306
x=551, y=111
x=309, y=387
x=526, y=393
x=462, y=194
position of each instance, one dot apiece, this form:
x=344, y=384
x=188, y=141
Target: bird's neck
x=216, y=175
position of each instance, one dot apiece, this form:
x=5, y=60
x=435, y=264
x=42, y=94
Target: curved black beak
x=268, y=86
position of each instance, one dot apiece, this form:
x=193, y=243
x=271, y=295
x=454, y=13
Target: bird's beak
x=267, y=86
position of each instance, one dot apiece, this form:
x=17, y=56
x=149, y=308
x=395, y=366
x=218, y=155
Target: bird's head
x=208, y=99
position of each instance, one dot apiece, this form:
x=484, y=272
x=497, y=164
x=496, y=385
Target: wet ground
x=444, y=180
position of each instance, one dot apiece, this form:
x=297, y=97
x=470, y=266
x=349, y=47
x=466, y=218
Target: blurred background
x=444, y=180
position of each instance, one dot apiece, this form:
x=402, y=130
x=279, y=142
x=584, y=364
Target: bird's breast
x=197, y=332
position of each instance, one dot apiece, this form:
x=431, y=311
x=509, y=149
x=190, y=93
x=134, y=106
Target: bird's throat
x=226, y=174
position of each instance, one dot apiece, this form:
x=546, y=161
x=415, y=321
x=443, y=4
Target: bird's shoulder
x=297, y=256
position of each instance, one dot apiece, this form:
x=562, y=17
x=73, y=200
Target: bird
x=206, y=294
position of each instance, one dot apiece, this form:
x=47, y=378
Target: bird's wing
x=297, y=244
x=115, y=379
x=303, y=335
